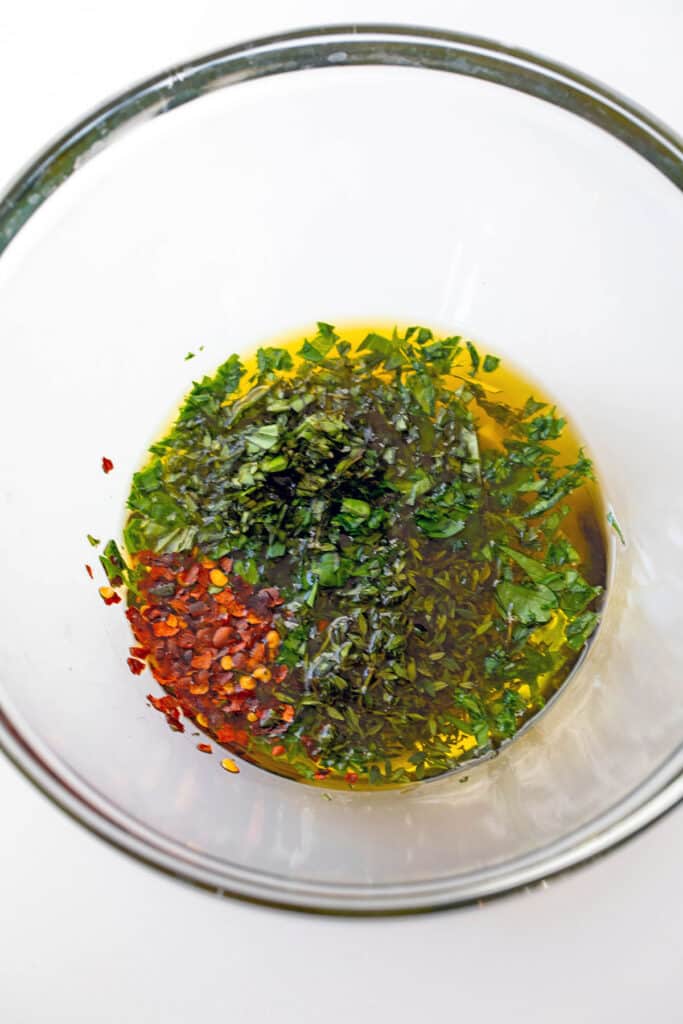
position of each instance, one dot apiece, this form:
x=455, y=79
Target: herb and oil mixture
x=365, y=559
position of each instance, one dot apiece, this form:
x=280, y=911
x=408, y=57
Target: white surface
x=90, y=936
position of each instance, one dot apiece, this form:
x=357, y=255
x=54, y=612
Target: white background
x=87, y=935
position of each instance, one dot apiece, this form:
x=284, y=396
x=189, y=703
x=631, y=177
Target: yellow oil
x=584, y=524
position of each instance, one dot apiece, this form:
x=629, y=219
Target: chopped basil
x=432, y=599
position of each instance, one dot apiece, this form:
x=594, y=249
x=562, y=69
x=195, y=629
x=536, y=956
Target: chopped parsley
x=414, y=525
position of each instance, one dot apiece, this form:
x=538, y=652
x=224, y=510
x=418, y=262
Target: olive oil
x=587, y=516
x=430, y=524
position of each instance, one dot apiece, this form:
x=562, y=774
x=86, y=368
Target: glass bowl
x=401, y=174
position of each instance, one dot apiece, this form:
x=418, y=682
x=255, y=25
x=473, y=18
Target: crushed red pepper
x=88, y=569
x=107, y=464
x=169, y=707
x=211, y=643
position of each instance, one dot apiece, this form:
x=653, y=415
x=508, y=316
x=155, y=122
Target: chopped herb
x=113, y=564
x=474, y=357
x=580, y=630
x=612, y=520
x=531, y=605
x=270, y=360
x=410, y=527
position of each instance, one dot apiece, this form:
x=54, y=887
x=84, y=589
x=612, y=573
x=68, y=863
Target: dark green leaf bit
x=432, y=600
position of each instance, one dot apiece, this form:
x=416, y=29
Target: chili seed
x=218, y=578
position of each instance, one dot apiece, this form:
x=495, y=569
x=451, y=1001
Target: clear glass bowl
x=400, y=174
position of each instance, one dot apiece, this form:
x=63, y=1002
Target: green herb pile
x=432, y=599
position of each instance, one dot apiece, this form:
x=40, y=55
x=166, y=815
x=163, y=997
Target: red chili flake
x=166, y=704
x=221, y=636
x=205, y=748
x=136, y=666
x=168, y=707
x=162, y=628
x=202, y=660
x=88, y=569
x=204, y=647
x=226, y=734
x=186, y=579
x=107, y=464
x=351, y=777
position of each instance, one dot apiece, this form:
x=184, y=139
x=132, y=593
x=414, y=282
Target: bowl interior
x=337, y=194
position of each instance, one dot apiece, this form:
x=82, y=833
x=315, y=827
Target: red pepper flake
x=199, y=688
x=162, y=628
x=169, y=707
x=226, y=734
x=210, y=650
x=351, y=777
x=202, y=660
x=107, y=464
x=136, y=666
x=221, y=637
x=88, y=569
x=165, y=704
x=205, y=748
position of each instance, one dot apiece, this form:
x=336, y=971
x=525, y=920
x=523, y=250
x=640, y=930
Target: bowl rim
x=350, y=45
